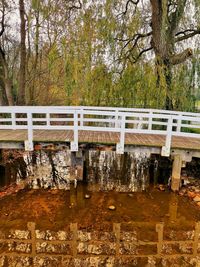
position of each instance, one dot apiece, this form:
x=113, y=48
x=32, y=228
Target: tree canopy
x=129, y=53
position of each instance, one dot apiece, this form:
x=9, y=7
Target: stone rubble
x=191, y=189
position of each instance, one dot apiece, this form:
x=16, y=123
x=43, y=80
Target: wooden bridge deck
x=99, y=138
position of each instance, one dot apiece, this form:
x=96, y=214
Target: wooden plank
x=99, y=137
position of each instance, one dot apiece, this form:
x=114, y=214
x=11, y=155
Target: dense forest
x=130, y=53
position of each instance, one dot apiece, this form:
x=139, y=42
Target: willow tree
x=163, y=28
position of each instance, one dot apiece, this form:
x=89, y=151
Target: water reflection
x=64, y=228
x=77, y=196
x=173, y=207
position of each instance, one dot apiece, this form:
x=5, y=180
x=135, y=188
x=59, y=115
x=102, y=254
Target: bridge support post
x=74, y=144
x=165, y=152
x=120, y=145
x=176, y=172
x=29, y=143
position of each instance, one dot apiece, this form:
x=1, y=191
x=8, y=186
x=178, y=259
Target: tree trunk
x=22, y=72
x=164, y=81
x=162, y=48
x=35, y=65
x=6, y=96
x=168, y=81
x=164, y=27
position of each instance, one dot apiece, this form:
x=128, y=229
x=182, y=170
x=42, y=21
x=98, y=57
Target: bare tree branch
x=136, y=37
x=2, y=19
x=74, y=6
x=142, y=52
x=127, y=6
x=130, y=2
x=186, y=36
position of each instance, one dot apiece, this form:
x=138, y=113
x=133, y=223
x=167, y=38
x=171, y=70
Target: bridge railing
x=120, y=120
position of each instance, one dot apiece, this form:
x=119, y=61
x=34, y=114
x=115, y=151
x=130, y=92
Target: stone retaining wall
x=136, y=244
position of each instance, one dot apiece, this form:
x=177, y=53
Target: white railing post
x=117, y=125
x=150, y=121
x=139, y=126
x=81, y=117
x=179, y=120
x=29, y=143
x=13, y=117
x=165, y=152
x=74, y=144
x=48, y=119
x=120, y=145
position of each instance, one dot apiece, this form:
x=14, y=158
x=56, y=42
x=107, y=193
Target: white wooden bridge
x=73, y=124
x=172, y=133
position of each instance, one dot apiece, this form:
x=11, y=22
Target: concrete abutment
x=58, y=167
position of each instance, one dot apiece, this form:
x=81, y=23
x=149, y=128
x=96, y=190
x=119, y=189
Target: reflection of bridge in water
x=124, y=244
x=119, y=247
x=169, y=133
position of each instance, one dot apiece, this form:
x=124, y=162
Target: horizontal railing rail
x=103, y=119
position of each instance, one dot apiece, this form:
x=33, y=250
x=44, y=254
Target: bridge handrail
x=119, y=109
x=121, y=120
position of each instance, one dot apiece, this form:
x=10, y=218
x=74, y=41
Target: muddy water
x=55, y=209
x=63, y=228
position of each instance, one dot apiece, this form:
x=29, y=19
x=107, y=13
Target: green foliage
x=185, y=86
x=75, y=59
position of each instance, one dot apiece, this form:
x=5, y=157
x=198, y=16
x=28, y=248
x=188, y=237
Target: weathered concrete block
x=186, y=248
x=47, y=261
x=19, y=261
x=15, y=234
x=19, y=234
x=136, y=249
x=128, y=248
x=177, y=248
x=96, y=248
x=104, y=236
x=44, y=247
x=178, y=235
x=131, y=231
x=12, y=246
x=128, y=236
x=42, y=167
x=90, y=262
x=180, y=261
x=85, y=262
x=84, y=236
x=52, y=235
x=170, y=248
x=104, y=166
x=131, y=261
